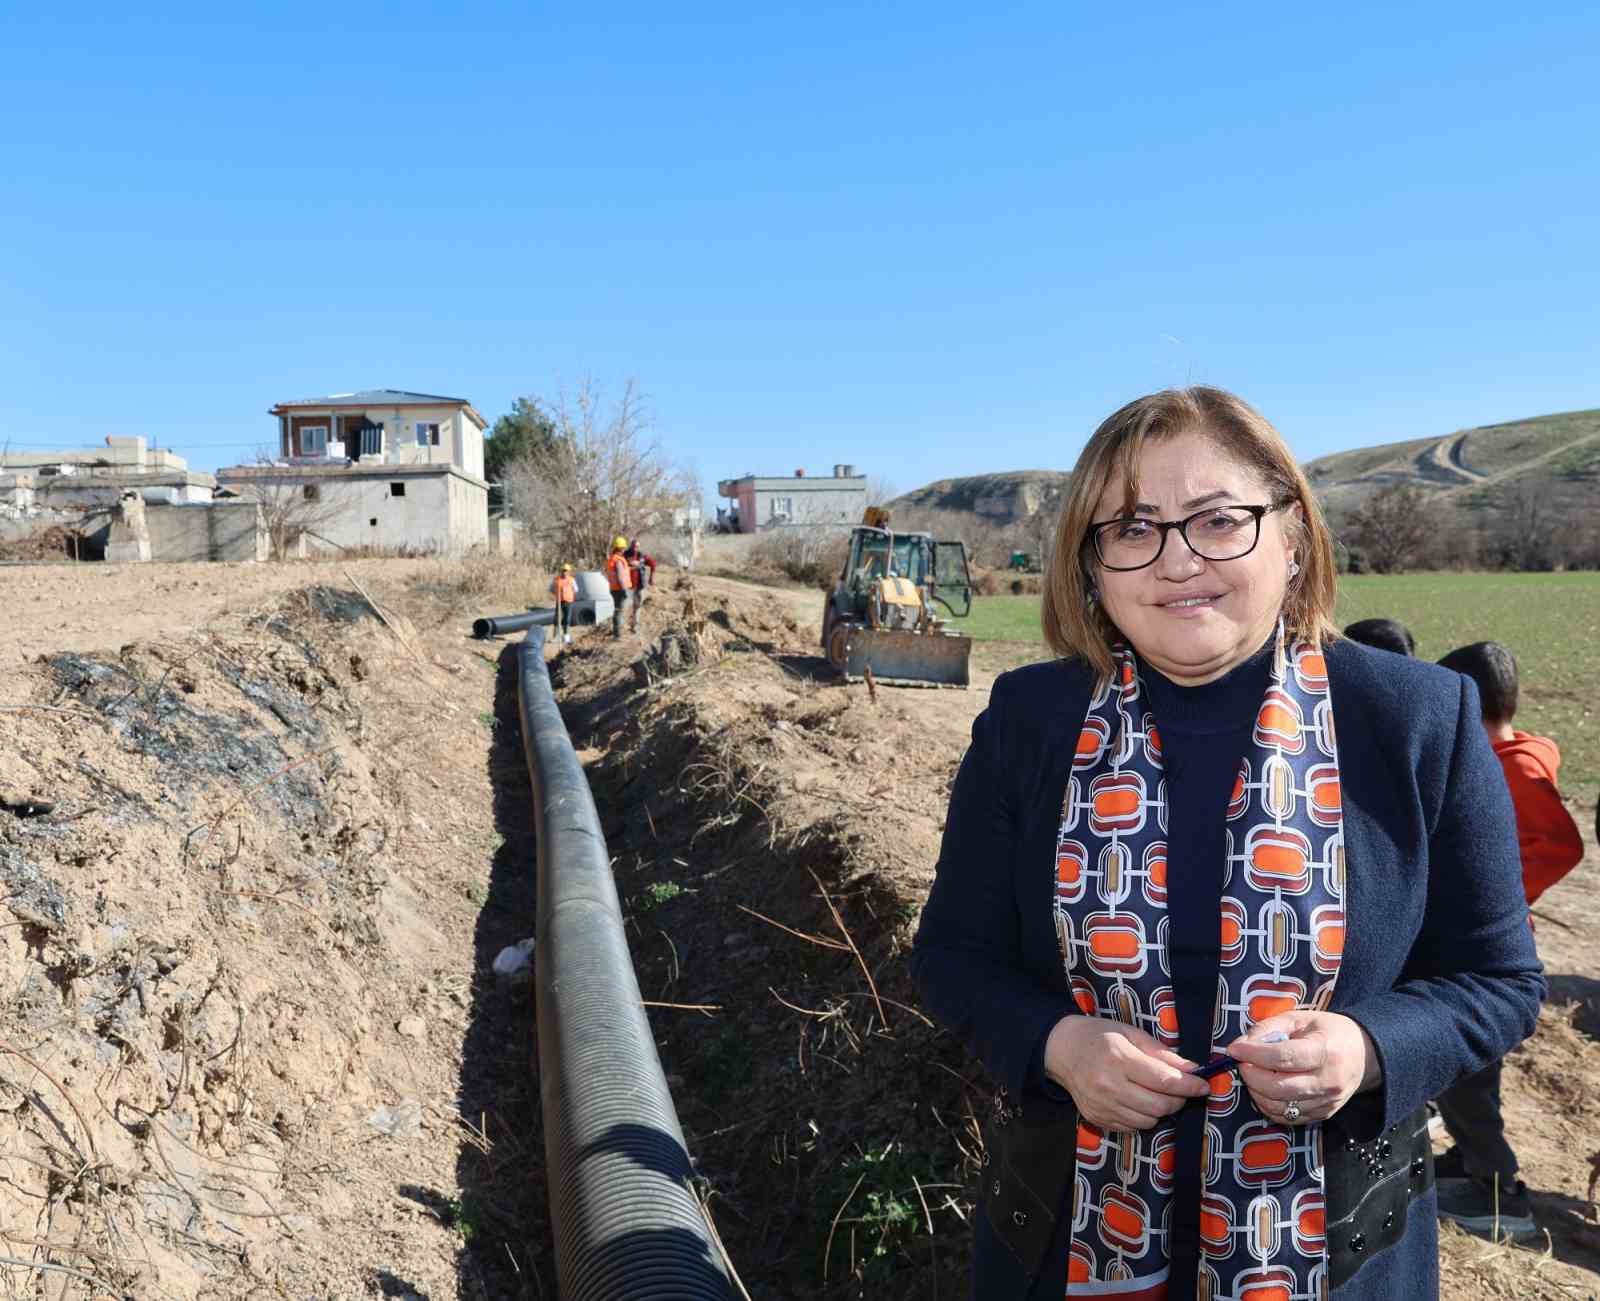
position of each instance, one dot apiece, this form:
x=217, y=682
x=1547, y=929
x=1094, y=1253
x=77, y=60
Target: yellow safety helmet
x=566, y=569
x=619, y=543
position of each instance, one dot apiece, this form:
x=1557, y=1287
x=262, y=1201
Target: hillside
x=999, y=499
x=1556, y=456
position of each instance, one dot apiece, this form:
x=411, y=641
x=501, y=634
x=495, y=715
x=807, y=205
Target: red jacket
x=1550, y=841
x=638, y=560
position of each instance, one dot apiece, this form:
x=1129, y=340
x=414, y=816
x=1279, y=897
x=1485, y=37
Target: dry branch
x=821, y=940
x=845, y=931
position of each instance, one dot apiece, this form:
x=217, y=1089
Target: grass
x=1002, y=618
x=881, y=1217
x=659, y=892
x=1551, y=622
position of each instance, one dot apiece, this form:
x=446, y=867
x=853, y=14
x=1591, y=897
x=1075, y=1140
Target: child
x=1478, y=1184
x=565, y=589
x=1385, y=634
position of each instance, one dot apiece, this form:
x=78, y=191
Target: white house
x=380, y=468
x=762, y=502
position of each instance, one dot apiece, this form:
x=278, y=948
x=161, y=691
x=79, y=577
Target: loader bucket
x=908, y=659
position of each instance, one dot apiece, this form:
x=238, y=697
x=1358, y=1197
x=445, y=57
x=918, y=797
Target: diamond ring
x=1291, y=1113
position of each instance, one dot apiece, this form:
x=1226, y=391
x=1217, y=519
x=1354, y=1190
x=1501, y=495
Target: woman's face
x=1190, y=618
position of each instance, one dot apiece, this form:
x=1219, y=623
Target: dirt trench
x=773, y=832
x=258, y=855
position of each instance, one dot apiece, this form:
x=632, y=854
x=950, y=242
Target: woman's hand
x=1324, y=1062
x=1119, y=1077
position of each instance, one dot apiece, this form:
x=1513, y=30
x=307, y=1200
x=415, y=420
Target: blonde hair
x=1076, y=626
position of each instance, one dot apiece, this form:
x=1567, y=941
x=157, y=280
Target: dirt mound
x=55, y=542
x=240, y=962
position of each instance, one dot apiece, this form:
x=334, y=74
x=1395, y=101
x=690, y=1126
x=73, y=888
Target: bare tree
x=602, y=475
x=291, y=507
x=880, y=491
x=1392, y=529
x=1527, y=529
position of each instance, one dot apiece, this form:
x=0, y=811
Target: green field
x=1551, y=622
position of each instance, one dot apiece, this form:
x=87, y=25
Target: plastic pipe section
x=626, y=1221
x=498, y=625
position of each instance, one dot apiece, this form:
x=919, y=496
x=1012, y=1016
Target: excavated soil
x=264, y=829
x=260, y=842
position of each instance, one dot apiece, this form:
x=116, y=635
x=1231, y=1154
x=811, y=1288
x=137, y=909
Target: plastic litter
x=513, y=959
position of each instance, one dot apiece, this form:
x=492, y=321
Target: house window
x=312, y=492
x=427, y=435
x=782, y=507
x=313, y=440
x=397, y=490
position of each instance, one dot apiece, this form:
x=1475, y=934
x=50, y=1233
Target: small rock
x=401, y=1121
x=411, y=1027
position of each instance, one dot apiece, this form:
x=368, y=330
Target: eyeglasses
x=1216, y=533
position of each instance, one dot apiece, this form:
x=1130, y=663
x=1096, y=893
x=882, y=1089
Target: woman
x=1213, y=828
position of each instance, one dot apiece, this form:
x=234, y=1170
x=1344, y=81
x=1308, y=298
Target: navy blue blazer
x=1439, y=965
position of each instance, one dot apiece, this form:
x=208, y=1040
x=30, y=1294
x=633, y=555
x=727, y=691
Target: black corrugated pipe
x=626, y=1222
x=498, y=625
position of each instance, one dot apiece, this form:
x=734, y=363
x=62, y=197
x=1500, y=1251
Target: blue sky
x=926, y=239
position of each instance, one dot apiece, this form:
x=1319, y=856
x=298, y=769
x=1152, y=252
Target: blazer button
x=1385, y=1148
x=1419, y=1167
x=995, y=1188
x=1019, y=1218
x=1358, y=1244
x=984, y=1161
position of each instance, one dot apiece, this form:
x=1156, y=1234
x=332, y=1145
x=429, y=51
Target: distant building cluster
x=372, y=470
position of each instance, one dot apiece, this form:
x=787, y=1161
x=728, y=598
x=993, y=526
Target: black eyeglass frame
x=1182, y=525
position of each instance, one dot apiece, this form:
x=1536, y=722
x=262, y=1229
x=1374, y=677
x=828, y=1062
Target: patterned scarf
x=1282, y=923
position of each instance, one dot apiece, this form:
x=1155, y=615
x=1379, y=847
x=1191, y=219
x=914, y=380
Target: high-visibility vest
x=566, y=589
x=617, y=572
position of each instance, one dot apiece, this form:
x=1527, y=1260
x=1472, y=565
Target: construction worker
x=619, y=577
x=564, y=587
x=638, y=565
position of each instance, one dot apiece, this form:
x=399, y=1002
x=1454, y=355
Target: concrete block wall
x=217, y=530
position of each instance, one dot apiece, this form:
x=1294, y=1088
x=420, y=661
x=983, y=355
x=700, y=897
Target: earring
x=1094, y=597
x=1294, y=568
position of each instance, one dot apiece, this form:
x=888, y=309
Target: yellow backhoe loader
x=880, y=614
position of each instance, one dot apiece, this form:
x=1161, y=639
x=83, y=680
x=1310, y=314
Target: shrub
x=812, y=556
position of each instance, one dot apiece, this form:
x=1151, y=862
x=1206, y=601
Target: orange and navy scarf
x=1282, y=924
